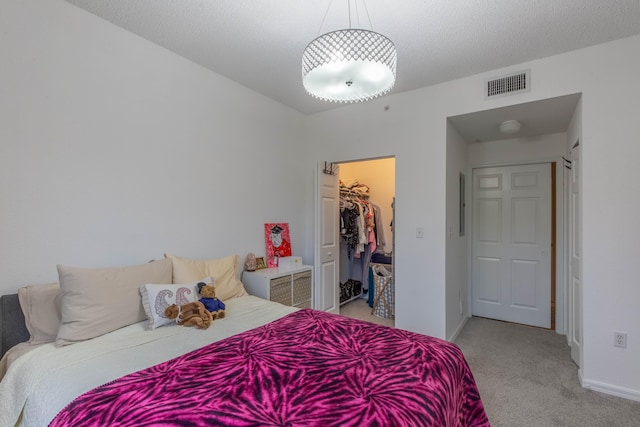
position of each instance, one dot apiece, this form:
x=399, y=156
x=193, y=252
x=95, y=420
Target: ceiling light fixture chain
x=349, y=65
x=366, y=9
x=326, y=12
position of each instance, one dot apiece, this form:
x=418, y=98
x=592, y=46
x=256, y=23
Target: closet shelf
x=346, y=192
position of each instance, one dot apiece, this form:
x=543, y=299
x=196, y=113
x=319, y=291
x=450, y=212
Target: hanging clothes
x=379, y=229
x=348, y=225
x=360, y=228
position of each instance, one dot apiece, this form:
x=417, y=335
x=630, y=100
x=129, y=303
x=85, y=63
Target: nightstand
x=292, y=286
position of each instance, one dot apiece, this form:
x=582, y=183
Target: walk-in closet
x=367, y=194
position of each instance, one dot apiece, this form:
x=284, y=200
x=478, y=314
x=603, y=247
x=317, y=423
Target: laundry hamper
x=384, y=295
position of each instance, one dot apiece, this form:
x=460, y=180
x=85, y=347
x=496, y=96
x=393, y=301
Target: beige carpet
x=359, y=309
x=526, y=378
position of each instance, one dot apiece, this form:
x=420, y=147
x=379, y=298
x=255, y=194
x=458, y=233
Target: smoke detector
x=510, y=126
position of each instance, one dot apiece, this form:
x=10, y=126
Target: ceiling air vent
x=508, y=85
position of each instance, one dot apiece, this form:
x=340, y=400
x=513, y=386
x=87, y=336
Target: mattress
x=264, y=364
x=43, y=381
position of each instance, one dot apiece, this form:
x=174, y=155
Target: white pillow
x=225, y=272
x=40, y=305
x=100, y=300
x=156, y=298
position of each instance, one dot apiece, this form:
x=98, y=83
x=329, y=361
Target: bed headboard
x=12, y=327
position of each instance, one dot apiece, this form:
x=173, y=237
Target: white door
x=511, y=269
x=327, y=247
x=575, y=288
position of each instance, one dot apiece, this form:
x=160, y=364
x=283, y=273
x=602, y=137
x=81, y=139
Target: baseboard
x=613, y=390
x=458, y=329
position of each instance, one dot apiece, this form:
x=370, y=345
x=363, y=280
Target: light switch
x=419, y=233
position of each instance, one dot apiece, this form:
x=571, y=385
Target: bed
x=263, y=364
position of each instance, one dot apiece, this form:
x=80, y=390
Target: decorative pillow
x=100, y=300
x=156, y=298
x=223, y=271
x=40, y=305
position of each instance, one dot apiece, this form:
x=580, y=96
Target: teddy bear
x=211, y=303
x=190, y=314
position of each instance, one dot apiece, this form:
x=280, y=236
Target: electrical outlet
x=620, y=339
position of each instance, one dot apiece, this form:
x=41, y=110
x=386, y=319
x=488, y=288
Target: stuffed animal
x=250, y=262
x=211, y=303
x=190, y=314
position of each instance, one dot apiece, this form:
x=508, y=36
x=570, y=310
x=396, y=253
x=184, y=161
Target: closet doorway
x=367, y=194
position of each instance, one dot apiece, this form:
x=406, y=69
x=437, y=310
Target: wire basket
x=383, y=296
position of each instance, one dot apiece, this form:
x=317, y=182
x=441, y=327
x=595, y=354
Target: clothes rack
x=362, y=235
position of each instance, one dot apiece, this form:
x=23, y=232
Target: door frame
x=317, y=213
x=558, y=276
x=321, y=253
x=574, y=303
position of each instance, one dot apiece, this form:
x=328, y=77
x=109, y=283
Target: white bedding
x=13, y=354
x=43, y=381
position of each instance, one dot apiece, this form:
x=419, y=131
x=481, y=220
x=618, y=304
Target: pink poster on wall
x=278, y=243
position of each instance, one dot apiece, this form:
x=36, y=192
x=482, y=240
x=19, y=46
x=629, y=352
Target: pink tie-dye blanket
x=309, y=368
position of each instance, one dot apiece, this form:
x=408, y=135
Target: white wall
x=542, y=148
x=411, y=131
x=414, y=130
x=115, y=151
x=457, y=282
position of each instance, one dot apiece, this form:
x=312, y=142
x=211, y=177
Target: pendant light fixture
x=350, y=65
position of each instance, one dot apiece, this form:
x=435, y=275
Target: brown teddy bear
x=211, y=303
x=190, y=314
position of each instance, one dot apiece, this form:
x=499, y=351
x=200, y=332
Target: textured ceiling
x=259, y=43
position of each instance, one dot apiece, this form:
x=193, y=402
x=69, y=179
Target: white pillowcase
x=225, y=271
x=156, y=298
x=100, y=300
x=40, y=305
